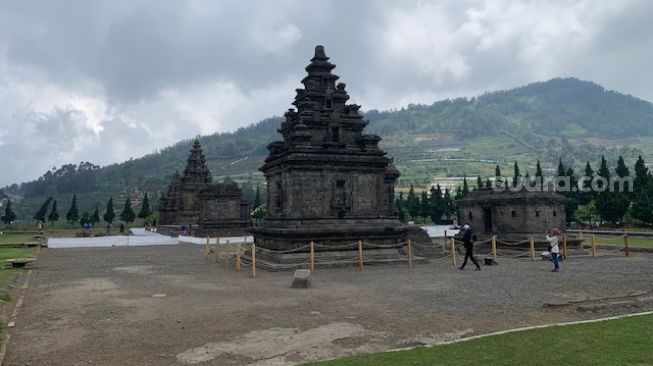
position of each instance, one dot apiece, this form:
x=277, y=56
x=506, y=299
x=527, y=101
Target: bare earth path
x=167, y=305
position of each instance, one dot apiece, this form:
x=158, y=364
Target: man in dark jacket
x=468, y=240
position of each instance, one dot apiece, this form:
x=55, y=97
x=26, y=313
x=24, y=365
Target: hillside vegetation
x=571, y=119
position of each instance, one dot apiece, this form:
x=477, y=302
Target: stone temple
x=327, y=181
x=206, y=208
x=513, y=215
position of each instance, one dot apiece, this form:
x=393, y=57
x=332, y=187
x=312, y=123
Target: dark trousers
x=469, y=253
x=554, y=259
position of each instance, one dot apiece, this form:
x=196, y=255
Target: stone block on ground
x=17, y=263
x=301, y=279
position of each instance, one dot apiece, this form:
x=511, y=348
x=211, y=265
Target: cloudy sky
x=103, y=81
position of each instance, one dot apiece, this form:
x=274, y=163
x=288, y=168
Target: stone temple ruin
x=207, y=209
x=505, y=212
x=327, y=182
x=514, y=215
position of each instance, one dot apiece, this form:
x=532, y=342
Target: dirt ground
x=168, y=305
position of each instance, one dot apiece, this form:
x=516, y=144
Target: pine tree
x=573, y=195
x=412, y=202
x=465, y=189
x=437, y=204
x=622, y=170
x=538, y=170
x=424, y=205
x=257, y=198
x=40, y=214
x=604, y=172
x=488, y=183
x=54, y=214
x=110, y=214
x=587, y=195
x=561, y=169
x=448, y=204
x=497, y=175
x=73, y=214
x=95, y=217
x=479, y=182
x=459, y=193
x=642, y=208
x=516, y=175
x=146, y=210
x=612, y=206
x=402, y=211
x=641, y=175
x=127, y=215
x=9, y=215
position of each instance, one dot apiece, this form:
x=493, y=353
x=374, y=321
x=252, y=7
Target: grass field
x=633, y=241
x=11, y=238
x=6, y=274
x=627, y=341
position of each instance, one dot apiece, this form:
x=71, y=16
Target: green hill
x=569, y=118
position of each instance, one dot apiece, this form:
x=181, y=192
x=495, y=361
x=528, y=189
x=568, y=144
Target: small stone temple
x=207, y=209
x=518, y=214
x=327, y=181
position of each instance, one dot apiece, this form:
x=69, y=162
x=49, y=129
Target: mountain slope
x=569, y=118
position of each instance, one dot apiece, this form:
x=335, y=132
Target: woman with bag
x=555, y=250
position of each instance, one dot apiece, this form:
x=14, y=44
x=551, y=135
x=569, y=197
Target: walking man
x=468, y=240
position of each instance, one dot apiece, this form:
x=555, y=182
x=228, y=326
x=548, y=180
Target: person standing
x=468, y=241
x=555, y=249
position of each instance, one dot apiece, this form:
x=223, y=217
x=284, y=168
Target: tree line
x=589, y=199
x=49, y=212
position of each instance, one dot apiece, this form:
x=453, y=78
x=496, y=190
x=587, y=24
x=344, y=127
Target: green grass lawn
x=627, y=341
x=633, y=241
x=6, y=274
x=11, y=238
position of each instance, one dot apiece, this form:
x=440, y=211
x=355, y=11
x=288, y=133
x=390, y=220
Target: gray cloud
x=105, y=81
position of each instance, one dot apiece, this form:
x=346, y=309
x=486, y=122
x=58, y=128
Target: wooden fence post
x=312, y=257
x=360, y=255
x=226, y=254
x=207, y=249
x=253, y=260
x=238, y=257
x=217, y=249
x=494, y=248
x=453, y=251
x=593, y=245
x=626, y=251
x=445, y=239
x=564, y=246
x=410, y=254
x=532, y=240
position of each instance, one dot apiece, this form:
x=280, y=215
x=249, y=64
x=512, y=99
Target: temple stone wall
x=512, y=212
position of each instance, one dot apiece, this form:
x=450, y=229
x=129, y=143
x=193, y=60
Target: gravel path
x=167, y=305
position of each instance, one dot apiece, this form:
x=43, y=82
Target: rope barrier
x=372, y=245
x=429, y=246
x=285, y=251
x=516, y=243
x=343, y=246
